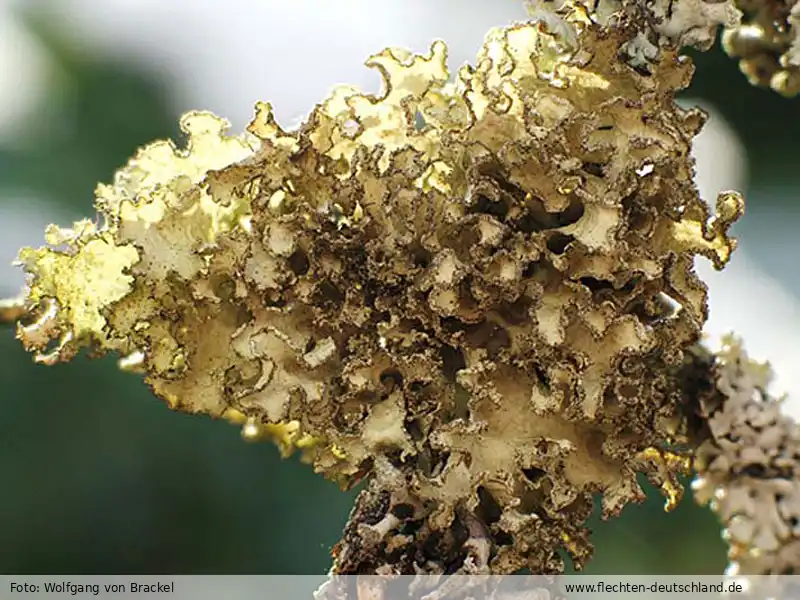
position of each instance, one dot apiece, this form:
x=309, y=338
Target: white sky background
x=223, y=55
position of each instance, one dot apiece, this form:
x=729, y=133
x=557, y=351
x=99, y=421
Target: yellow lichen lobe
x=83, y=282
x=156, y=216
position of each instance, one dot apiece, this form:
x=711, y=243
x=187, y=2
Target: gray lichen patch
x=749, y=466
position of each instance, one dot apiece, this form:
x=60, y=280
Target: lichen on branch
x=749, y=466
x=476, y=291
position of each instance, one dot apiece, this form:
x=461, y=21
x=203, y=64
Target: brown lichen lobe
x=476, y=292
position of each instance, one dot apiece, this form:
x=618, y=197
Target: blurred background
x=97, y=475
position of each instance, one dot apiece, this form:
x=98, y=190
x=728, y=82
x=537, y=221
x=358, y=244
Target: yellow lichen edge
x=157, y=205
x=86, y=269
x=157, y=211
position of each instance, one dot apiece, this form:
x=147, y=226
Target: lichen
x=749, y=466
x=654, y=24
x=767, y=44
x=476, y=291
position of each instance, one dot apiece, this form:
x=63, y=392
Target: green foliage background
x=98, y=476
